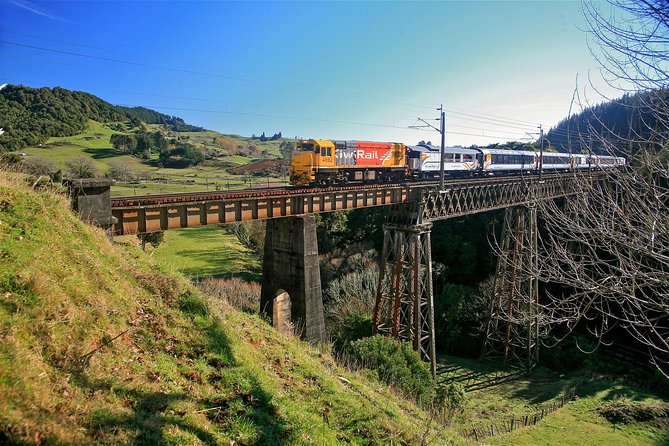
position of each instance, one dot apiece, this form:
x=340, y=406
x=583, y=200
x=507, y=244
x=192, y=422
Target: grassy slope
x=579, y=423
x=94, y=143
x=184, y=370
x=207, y=251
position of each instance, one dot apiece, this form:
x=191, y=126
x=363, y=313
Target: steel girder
x=512, y=330
x=404, y=304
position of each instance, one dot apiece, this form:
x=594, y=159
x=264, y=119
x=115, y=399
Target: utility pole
x=442, y=118
x=442, y=131
x=541, y=151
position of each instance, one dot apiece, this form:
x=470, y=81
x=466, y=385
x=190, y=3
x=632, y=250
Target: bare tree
x=608, y=245
x=121, y=171
x=37, y=165
x=81, y=167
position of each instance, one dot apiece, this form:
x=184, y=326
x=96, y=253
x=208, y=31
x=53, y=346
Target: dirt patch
x=262, y=168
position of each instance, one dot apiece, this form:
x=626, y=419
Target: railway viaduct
x=291, y=288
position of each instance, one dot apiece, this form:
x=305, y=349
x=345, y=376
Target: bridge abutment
x=291, y=271
x=91, y=199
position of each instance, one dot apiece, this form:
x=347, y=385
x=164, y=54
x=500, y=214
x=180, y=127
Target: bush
x=451, y=398
x=38, y=166
x=351, y=329
x=242, y=295
x=81, y=167
x=461, y=312
x=397, y=364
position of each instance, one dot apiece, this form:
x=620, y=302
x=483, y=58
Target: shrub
x=81, y=167
x=451, y=398
x=397, y=364
x=352, y=294
x=351, y=329
x=242, y=295
x=38, y=166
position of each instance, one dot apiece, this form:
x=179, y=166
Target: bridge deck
x=153, y=213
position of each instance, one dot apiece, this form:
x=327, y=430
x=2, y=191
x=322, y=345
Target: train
x=329, y=162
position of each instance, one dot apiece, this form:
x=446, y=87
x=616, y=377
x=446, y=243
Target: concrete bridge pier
x=291, y=286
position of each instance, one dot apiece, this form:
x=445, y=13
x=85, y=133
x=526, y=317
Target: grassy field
x=94, y=143
x=207, y=251
x=579, y=423
x=576, y=423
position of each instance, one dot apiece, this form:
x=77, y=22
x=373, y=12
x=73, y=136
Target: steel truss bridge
x=152, y=213
x=404, y=305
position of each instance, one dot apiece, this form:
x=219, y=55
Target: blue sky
x=354, y=70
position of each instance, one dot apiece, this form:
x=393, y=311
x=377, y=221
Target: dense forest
x=30, y=116
x=623, y=123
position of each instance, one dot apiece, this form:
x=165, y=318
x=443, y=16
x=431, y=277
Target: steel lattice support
x=404, y=304
x=512, y=331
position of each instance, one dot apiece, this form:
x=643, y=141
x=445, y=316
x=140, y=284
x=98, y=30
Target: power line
x=301, y=118
x=126, y=62
x=482, y=116
x=472, y=116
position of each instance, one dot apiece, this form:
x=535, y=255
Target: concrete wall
x=91, y=199
x=291, y=264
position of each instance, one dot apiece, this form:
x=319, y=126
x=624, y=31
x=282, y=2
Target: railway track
x=196, y=197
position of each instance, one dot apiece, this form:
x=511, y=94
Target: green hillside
x=31, y=115
x=93, y=143
x=98, y=345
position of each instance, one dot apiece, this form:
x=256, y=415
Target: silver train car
x=423, y=161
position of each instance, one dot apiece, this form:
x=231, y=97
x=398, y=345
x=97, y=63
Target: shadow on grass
x=540, y=387
x=244, y=408
x=217, y=264
x=103, y=153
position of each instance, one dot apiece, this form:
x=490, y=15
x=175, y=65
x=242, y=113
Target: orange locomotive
x=328, y=162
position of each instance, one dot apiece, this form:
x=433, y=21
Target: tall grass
x=242, y=295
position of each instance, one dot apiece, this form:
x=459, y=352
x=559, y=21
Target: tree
x=183, y=155
x=144, y=144
x=286, y=148
x=118, y=170
x=607, y=246
x=153, y=238
x=81, y=167
x=38, y=166
x=123, y=143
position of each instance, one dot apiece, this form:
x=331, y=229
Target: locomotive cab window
x=329, y=151
x=322, y=151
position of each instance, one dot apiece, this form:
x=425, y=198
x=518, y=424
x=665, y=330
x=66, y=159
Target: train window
x=468, y=157
x=329, y=151
x=322, y=151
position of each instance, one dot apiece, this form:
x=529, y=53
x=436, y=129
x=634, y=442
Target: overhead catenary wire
x=482, y=117
x=303, y=118
x=502, y=125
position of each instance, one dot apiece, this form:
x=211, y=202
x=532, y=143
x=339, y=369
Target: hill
x=98, y=345
x=620, y=122
x=30, y=116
